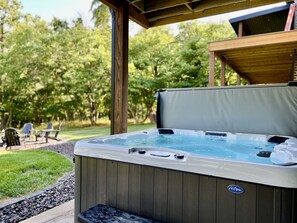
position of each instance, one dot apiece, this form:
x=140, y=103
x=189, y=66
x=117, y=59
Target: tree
x=79, y=64
x=192, y=67
x=9, y=16
x=89, y=76
x=21, y=64
x=160, y=60
x=101, y=15
x=151, y=57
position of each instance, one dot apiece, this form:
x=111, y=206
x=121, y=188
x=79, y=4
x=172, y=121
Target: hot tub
x=185, y=182
x=221, y=154
x=180, y=182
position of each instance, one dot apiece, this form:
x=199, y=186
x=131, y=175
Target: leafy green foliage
x=151, y=57
x=62, y=70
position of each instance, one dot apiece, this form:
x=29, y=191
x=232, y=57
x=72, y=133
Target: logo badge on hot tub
x=235, y=189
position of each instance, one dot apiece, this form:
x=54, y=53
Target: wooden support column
x=290, y=17
x=238, y=79
x=223, y=72
x=211, y=69
x=294, y=67
x=240, y=34
x=119, y=108
x=240, y=29
x=295, y=15
x=294, y=78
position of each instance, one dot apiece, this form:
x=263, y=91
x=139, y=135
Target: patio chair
x=57, y=131
x=43, y=133
x=27, y=131
x=11, y=138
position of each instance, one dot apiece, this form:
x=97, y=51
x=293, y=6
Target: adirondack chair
x=57, y=131
x=11, y=138
x=45, y=132
x=27, y=131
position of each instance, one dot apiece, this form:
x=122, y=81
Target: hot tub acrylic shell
x=273, y=175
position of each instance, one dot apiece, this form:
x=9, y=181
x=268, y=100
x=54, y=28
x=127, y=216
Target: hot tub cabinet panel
x=176, y=196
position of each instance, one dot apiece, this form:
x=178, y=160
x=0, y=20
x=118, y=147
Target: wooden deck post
x=238, y=79
x=211, y=69
x=119, y=108
x=223, y=72
x=240, y=34
x=294, y=78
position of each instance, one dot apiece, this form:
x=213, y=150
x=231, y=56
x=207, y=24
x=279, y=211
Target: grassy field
x=26, y=171
x=75, y=134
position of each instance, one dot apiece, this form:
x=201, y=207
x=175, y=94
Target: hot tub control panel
x=157, y=153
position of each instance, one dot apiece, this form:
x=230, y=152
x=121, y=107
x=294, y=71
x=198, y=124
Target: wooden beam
x=113, y=4
x=210, y=4
x=189, y=6
x=219, y=7
x=182, y=9
x=211, y=69
x=134, y=14
x=170, y=12
x=138, y=18
x=120, y=95
x=290, y=17
x=138, y=4
x=250, y=53
x=152, y=6
x=255, y=41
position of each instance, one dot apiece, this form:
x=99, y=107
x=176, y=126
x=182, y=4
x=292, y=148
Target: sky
x=62, y=9
x=71, y=9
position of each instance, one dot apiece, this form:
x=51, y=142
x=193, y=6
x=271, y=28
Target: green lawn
x=83, y=133
x=26, y=171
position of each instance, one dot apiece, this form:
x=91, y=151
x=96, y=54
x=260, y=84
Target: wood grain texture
x=175, y=199
x=175, y=196
x=266, y=58
x=134, y=188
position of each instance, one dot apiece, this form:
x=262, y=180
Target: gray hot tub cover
x=264, y=109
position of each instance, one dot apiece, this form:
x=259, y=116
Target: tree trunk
x=134, y=113
x=152, y=116
x=2, y=120
x=92, y=112
x=2, y=87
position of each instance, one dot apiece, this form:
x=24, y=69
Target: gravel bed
x=49, y=197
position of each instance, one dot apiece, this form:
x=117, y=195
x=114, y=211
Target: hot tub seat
x=106, y=214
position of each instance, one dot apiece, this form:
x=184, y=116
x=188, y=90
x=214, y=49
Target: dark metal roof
x=266, y=21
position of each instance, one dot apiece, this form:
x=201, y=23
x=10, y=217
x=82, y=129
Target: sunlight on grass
x=24, y=172
x=2, y=153
x=84, y=133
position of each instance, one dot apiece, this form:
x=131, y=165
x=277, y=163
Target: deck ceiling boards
x=150, y=13
x=261, y=59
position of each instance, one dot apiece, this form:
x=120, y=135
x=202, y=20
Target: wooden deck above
x=150, y=13
x=260, y=59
